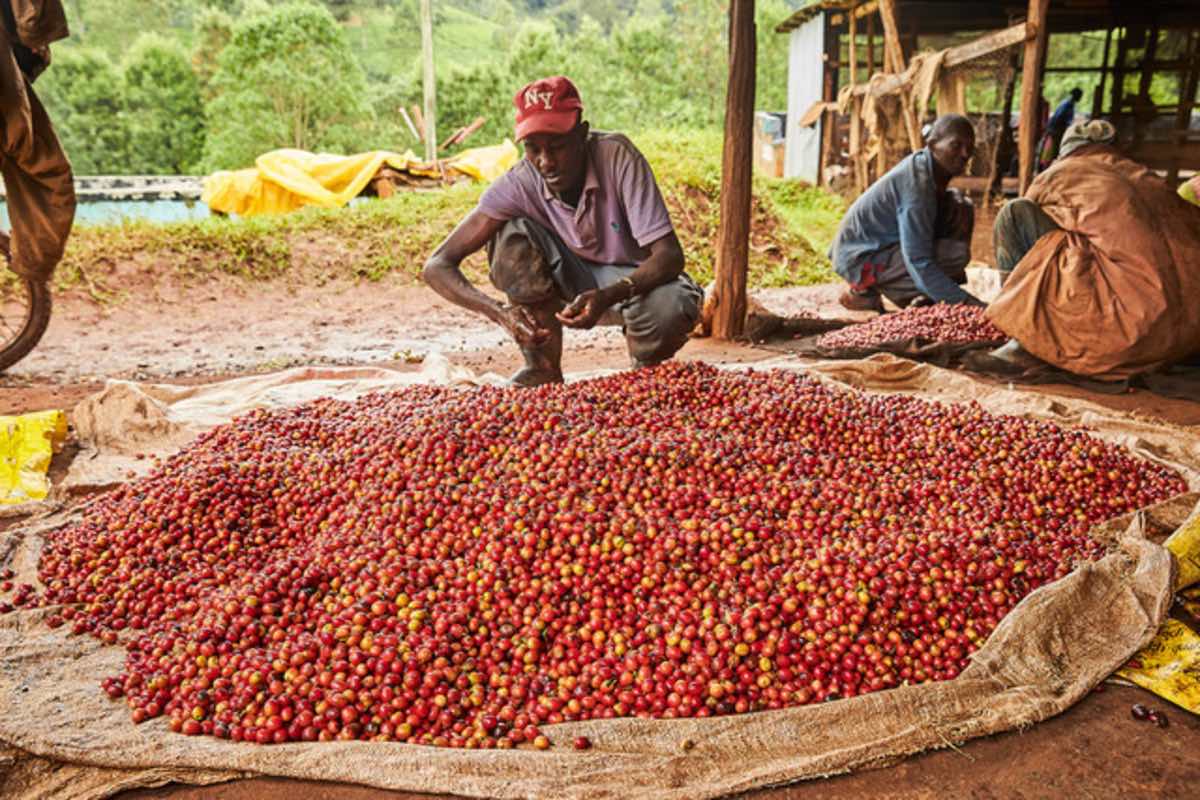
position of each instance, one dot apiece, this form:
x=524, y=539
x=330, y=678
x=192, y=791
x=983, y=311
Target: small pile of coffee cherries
x=950, y=324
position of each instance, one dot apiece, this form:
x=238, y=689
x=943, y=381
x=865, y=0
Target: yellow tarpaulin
x=1170, y=665
x=27, y=444
x=285, y=180
x=1190, y=191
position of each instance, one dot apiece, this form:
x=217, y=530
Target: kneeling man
x=908, y=237
x=576, y=229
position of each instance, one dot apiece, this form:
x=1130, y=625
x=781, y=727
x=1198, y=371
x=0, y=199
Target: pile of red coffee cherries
x=463, y=567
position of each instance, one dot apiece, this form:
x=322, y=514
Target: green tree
x=82, y=94
x=287, y=78
x=213, y=29
x=164, y=112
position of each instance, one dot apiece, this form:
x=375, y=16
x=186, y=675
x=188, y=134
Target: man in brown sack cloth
x=39, y=188
x=575, y=231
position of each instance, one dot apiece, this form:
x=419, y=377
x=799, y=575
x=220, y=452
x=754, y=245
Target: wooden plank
x=429, y=80
x=733, y=231
x=1031, y=87
x=985, y=45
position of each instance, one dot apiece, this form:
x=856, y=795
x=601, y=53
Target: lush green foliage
x=162, y=106
x=334, y=75
x=287, y=78
x=81, y=91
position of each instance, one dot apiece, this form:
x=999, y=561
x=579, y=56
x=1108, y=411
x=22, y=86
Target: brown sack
x=1114, y=293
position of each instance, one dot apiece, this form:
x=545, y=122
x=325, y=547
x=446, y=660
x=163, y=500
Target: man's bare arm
x=443, y=273
x=664, y=265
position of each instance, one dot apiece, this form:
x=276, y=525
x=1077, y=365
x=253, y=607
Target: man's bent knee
x=658, y=324
x=519, y=266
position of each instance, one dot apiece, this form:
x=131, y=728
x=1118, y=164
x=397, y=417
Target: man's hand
x=522, y=326
x=586, y=309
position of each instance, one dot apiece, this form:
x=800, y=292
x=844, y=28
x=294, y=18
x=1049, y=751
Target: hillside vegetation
x=391, y=238
x=191, y=86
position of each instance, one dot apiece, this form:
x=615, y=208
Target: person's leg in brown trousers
x=40, y=191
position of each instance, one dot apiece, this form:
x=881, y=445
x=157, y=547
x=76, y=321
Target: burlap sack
x=1112, y=294
x=1050, y=651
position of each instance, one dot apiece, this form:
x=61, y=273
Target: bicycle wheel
x=24, y=315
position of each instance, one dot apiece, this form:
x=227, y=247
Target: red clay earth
x=457, y=567
x=939, y=323
x=1093, y=750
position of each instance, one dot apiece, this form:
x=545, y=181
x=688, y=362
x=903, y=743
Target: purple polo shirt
x=620, y=211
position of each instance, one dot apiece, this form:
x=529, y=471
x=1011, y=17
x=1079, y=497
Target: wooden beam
x=891, y=36
x=1031, y=87
x=958, y=56
x=733, y=231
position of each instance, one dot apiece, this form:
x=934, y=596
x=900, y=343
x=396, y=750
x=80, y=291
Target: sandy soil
x=190, y=334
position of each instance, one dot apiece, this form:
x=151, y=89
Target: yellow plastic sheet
x=27, y=443
x=285, y=180
x=1169, y=666
x=1190, y=191
x=1184, y=544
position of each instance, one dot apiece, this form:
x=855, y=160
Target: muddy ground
x=199, y=333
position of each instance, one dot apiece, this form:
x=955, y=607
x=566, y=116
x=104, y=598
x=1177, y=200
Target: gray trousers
x=532, y=266
x=1018, y=227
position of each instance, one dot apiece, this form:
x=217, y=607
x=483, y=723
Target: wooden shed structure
x=857, y=101
x=836, y=44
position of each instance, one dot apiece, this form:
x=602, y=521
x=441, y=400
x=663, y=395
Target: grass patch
x=791, y=228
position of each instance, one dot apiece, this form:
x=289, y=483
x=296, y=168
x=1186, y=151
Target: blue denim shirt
x=899, y=208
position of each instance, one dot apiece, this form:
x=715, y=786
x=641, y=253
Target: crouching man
x=908, y=237
x=576, y=230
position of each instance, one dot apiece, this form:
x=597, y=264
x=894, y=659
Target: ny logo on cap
x=533, y=96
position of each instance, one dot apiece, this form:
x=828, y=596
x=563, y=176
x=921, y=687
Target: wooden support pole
x=871, y=70
x=1118, y=87
x=891, y=41
x=1098, y=98
x=733, y=231
x=1189, y=80
x=429, y=80
x=1031, y=87
x=1143, y=106
x=857, y=163
x=1004, y=142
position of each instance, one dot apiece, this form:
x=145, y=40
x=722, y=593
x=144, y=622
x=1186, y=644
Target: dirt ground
x=201, y=333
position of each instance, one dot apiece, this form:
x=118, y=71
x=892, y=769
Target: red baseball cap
x=548, y=105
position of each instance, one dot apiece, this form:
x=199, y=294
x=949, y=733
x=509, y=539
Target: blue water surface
x=112, y=212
